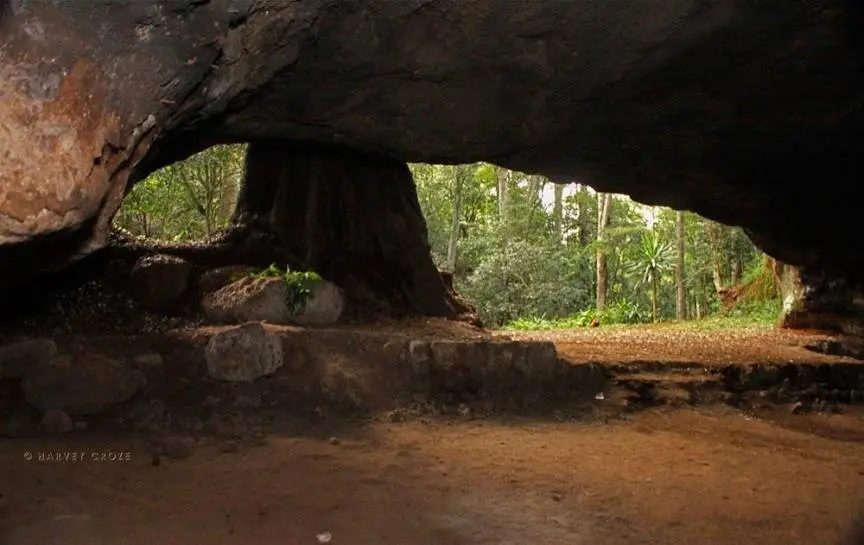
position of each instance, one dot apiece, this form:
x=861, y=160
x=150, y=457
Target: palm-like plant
x=652, y=260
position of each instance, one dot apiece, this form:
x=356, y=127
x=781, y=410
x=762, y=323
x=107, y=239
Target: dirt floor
x=665, y=477
x=685, y=343
x=703, y=475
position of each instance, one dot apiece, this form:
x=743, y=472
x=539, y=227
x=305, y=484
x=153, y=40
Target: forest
x=527, y=253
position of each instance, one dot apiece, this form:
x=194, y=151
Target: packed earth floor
x=713, y=473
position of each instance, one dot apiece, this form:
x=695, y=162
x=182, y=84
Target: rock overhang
x=732, y=109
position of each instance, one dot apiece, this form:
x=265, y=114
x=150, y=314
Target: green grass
x=760, y=313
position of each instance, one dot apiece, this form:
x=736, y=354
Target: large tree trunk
x=602, y=221
x=680, y=294
x=352, y=218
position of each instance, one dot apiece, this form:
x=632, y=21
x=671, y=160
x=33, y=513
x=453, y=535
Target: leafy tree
x=524, y=250
x=651, y=261
x=188, y=200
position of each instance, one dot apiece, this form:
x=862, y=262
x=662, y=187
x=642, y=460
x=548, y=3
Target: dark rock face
x=749, y=112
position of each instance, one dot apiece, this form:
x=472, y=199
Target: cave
x=748, y=112
x=730, y=109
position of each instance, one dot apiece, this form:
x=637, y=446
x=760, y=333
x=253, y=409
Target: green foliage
x=620, y=313
x=522, y=279
x=519, y=255
x=764, y=311
x=298, y=284
x=759, y=283
x=188, y=200
x=517, y=261
x=651, y=259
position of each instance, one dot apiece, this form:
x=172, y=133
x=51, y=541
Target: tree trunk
x=535, y=191
x=715, y=237
x=354, y=219
x=680, y=299
x=602, y=222
x=582, y=219
x=558, y=209
x=503, y=192
x=735, y=269
x=455, y=218
x=654, y=298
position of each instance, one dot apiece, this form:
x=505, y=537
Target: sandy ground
x=684, y=343
x=683, y=477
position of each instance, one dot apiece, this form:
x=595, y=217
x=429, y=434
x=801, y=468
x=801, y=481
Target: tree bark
x=654, y=298
x=602, y=221
x=582, y=218
x=455, y=218
x=715, y=236
x=735, y=268
x=558, y=209
x=354, y=219
x=680, y=294
x=503, y=192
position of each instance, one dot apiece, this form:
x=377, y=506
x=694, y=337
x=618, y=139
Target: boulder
x=324, y=305
x=88, y=385
x=243, y=353
x=152, y=359
x=266, y=299
x=247, y=300
x=55, y=421
x=17, y=357
x=216, y=279
x=158, y=280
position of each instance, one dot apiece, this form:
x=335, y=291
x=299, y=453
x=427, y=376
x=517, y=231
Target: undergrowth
x=298, y=284
x=744, y=314
x=621, y=312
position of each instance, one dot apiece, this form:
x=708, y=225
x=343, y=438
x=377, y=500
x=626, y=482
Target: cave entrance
x=526, y=252
x=190, y=200
x=351, y=218
x=531, y=254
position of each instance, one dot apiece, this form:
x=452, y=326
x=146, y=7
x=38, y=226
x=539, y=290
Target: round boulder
x=158, y=280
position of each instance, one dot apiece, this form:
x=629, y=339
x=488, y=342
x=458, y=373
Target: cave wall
x=748, y=112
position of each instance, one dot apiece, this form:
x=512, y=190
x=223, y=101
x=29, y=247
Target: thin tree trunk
x=654, y=297
x=602, y=221
x=582, y=219
x=680, y=299
x=715, y=236
x=453, y=241
x=558, y=209
x=503, y=193
x=735, y=269
x=535, y=196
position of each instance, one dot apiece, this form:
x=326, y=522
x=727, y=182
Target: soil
x=664, y=477
x=690, y=474
x=684, y=344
